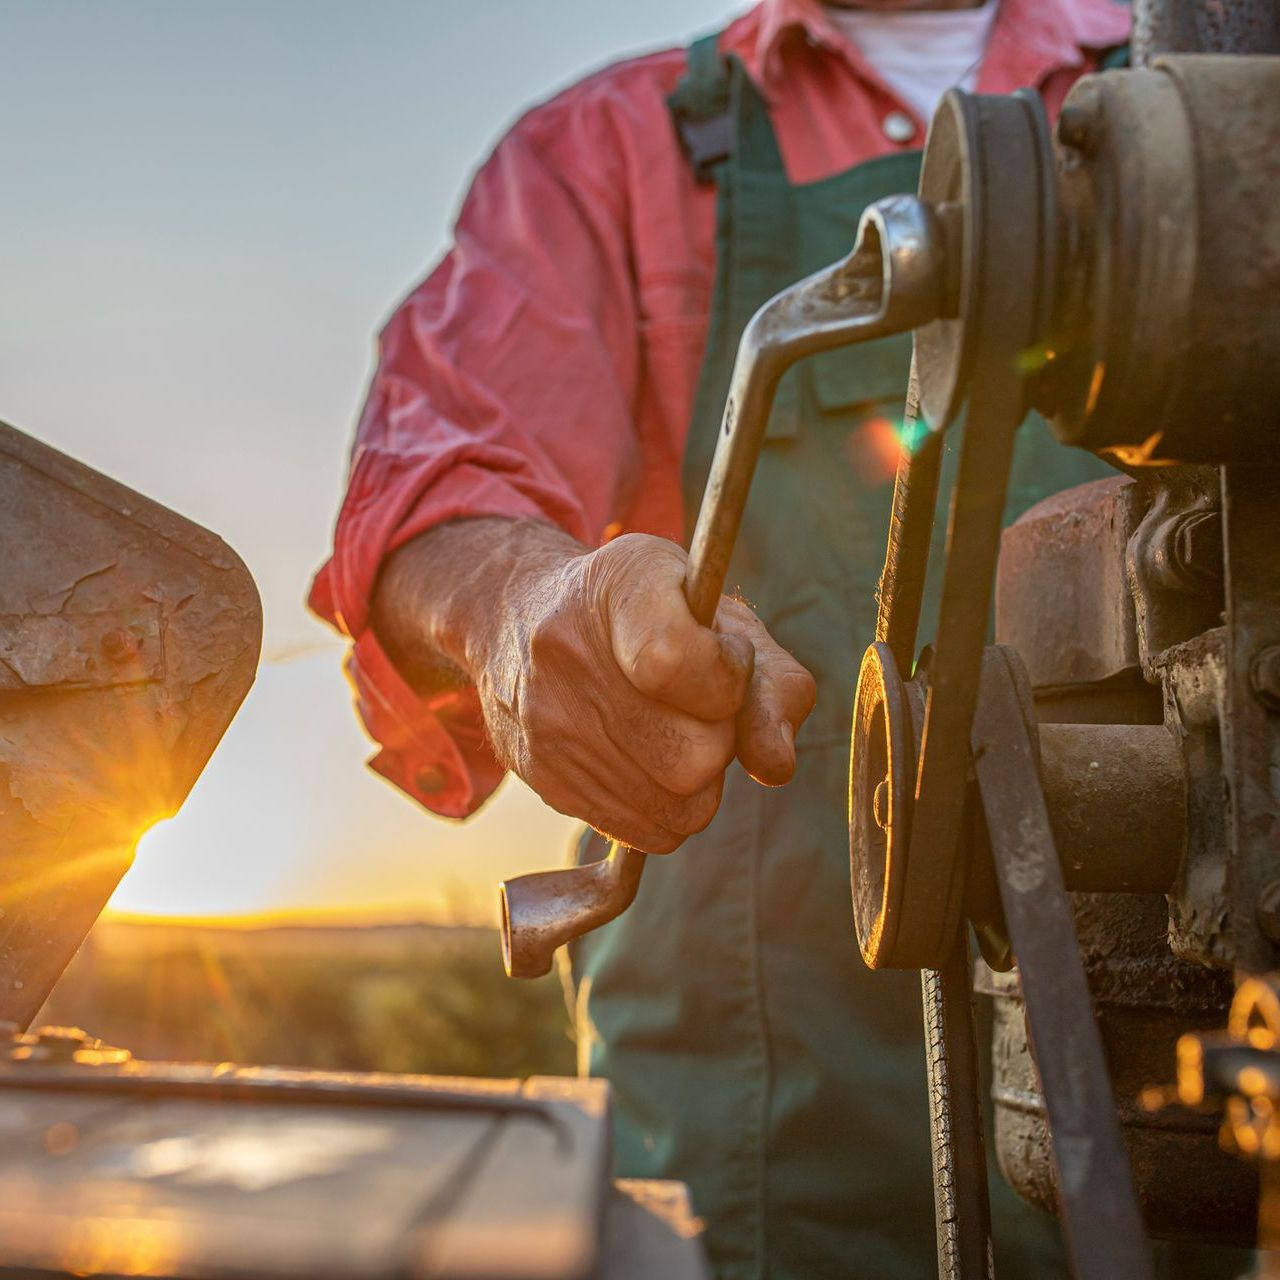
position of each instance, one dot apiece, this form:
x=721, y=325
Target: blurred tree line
x=415, y=998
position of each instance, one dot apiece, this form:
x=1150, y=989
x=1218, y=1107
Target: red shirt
x=546, y=368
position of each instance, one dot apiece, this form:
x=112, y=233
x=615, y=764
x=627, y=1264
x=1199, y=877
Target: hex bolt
x=1264, y=675
x=1268, y=911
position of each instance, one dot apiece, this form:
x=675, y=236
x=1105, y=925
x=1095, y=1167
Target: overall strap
x=1114, y=59
x=719, y=114
x=723, y=125
x=699, y=107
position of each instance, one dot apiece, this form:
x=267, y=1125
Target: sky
x=209, y=208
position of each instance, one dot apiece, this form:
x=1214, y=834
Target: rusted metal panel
x=80, y=651
x=128, y=638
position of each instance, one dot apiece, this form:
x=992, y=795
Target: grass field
x=380, y=997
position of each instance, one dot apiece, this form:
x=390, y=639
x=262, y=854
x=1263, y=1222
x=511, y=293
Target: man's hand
x=597, y=686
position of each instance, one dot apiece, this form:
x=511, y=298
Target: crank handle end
x=545, y=909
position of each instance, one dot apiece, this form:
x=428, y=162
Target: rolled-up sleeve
x=504, y=387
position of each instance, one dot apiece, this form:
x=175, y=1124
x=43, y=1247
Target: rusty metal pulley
x=887, y=717
x=985, y=173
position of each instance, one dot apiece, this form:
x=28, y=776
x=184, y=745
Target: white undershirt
x=920, y=53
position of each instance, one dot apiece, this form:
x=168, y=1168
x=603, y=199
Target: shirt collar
x=1029, y=41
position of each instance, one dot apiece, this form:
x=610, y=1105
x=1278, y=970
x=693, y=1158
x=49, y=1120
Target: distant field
x=390, y=997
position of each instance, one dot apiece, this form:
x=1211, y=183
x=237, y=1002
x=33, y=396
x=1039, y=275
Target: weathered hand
x=601, y=691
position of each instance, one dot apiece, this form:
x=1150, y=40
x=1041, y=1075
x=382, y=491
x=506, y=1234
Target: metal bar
x=890, y=283
x=1099, y=1210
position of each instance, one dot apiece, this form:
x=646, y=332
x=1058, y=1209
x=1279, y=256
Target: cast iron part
x=891, y=282
x=1122, y=646
x=128, y=638
x=1145, y=1000
x=1165, y=330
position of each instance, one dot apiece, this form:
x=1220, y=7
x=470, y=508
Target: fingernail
x=788, y=736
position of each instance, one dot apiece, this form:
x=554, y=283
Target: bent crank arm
x=893, y=281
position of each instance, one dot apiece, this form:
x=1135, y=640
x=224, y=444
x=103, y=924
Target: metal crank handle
x=891, y=282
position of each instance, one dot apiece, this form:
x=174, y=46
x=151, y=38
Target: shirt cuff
x=434, y=748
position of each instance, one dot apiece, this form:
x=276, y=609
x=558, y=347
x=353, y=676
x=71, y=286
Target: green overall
x=752, y=1053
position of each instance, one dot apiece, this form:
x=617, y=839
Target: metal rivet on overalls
x=898, y=126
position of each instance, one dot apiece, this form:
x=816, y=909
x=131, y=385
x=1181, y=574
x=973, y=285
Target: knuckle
x=691, y=814
x=734, y=614
x=657, y=662
x=661, y=841
x=703, y=808
x=546, y=640
x=625, y=564
x=706, y=762
x=600, y=821
x=626, y=546
x=543, y=730
x=783, y=690
x=659, y=739
x=804, y=692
